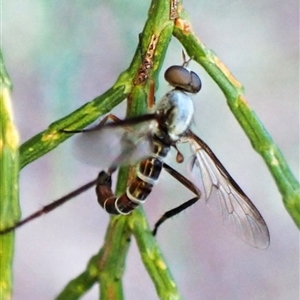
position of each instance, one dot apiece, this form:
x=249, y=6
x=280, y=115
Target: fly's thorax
x=177, y=111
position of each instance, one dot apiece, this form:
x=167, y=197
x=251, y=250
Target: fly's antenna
x=185, y=61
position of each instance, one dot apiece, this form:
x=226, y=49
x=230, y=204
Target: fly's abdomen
x=149, y=170
x=139, y=189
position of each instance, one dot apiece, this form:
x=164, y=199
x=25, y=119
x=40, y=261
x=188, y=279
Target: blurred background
x=61, y=54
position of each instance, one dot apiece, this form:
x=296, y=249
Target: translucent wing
x=115, y=144
x=222, y=194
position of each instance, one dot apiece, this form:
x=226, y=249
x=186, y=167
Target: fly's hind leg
x=173, y=212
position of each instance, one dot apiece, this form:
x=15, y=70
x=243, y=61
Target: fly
x=146, y=141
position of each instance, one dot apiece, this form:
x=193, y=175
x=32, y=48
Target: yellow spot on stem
x=161, y=264
x=274, y=160
x=184, y=26
x=3, y=285
x=226, y=72
x=6, y=102
x=11, y=136
x=51, y=136
x=244, y=100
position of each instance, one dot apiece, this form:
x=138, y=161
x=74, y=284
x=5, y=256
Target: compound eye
x=181, y=78
x=177, y=76
x=195, y=83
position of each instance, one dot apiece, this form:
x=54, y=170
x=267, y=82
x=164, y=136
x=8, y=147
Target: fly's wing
x=114, y=144
x=222, y=194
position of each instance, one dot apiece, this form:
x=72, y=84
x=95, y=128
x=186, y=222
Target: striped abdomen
x=139, y=189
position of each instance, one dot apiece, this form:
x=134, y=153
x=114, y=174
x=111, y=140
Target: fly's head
x=180, y=77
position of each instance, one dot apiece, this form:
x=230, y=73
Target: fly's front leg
x=111, y=117
x=187, y=183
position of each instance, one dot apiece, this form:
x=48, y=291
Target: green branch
x=152, y=257
x=107, y=267
x=9, y=182
x=158, y=25
x=150, y=54
x=259, y=137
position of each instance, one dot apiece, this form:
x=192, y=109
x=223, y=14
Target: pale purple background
x=63, y=54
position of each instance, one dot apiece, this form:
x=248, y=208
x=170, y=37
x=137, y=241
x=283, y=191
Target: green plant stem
x=259, y=137
x=107, y=266
x=50, y=138
x=9, y=179
x=159, y=26
x=152, y=257
x=77, y=287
